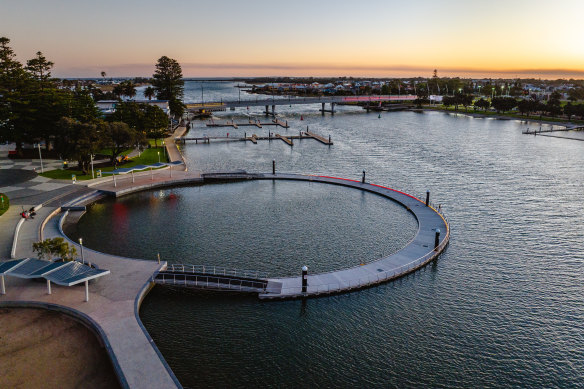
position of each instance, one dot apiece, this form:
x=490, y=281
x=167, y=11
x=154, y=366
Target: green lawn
x=512, y=114
x=148, y=157
x=5, y=204
x=109, y=152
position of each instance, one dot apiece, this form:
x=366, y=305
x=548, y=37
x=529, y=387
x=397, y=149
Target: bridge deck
x=293, y=100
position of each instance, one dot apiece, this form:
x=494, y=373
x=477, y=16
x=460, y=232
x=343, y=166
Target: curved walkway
x=115, y=300
x=418, y=252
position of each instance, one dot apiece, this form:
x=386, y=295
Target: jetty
x=288, y=139
x=540, y=131
x=256, y=123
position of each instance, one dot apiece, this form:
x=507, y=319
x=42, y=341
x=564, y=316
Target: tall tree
x=155, y=122
x=128, y=88
x=169, y=85
x=40, y=69
x=119, y=136
x=78, y=141
x=149, y=93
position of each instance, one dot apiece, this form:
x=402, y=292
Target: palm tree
x=118, y=91
x=129, y=89
x=149, y=93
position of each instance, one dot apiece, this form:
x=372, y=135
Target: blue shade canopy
x=61, y=273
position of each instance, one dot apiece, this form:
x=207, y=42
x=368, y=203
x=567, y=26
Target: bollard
x=363, y=178
x=273, y=166
x=329, y=139
x=245, y=135
x=304, y=278
x=158, y=255
x=437, y=239
x=427, y=198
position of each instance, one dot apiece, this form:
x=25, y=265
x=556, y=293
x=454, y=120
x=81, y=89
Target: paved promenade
x=112, y=309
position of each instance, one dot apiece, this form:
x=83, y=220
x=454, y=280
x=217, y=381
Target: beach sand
x=45, y=349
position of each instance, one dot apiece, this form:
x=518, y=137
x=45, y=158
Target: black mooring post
x=427, y=198
x=363, y=178
x=437, y=239
x=273, y=166
x=304, y=278
x=329, y=140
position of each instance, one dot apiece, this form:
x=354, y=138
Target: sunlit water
x=503, y=306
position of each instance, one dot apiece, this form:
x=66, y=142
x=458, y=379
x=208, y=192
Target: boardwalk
x=112, y=309
x=254, y=138
x=416, y=254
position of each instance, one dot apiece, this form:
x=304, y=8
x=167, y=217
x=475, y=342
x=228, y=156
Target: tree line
x=36, y=108
x=553, y=107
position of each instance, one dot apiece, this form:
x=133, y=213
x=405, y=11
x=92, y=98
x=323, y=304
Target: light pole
x=41, y=157
x=92, y=175
x=81, y=244
x=158, y=156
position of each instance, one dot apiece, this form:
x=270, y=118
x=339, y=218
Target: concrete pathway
x=172, y=148
x=112, y=307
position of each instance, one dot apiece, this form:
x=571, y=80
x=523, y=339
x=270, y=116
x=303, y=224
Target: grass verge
x=147, y=157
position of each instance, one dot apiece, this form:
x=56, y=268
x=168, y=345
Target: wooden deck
x=285, y=139
x=274, y=122
x=288, y=139
x=319, y=138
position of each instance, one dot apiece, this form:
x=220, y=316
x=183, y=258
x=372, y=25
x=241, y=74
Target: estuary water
x=503, y=305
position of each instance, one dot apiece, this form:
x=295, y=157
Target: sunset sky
x=381, y=38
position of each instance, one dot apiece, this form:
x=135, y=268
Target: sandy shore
x=45, y=349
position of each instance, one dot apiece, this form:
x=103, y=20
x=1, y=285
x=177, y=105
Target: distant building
x=107, y=107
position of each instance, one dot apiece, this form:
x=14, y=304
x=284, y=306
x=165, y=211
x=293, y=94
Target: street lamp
x=41, y=157
x=81, y=244
x=92, y=175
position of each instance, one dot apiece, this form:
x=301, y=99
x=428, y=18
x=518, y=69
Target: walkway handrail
x=367, y=281
x=210, y=281
x=215, y=270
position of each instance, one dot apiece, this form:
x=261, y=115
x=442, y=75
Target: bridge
x=294, y=100
x=215, y=278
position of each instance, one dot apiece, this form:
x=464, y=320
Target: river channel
x=503, y=305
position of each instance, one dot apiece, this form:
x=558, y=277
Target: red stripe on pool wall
x=379, y=186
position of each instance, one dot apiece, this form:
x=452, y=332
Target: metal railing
x=363, y=282
x=214, y=270
x=209, y=281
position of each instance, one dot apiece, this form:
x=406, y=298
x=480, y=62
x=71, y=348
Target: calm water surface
x=503, y=306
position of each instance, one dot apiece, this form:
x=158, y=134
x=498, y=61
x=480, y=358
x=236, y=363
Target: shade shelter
x=61, y=273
